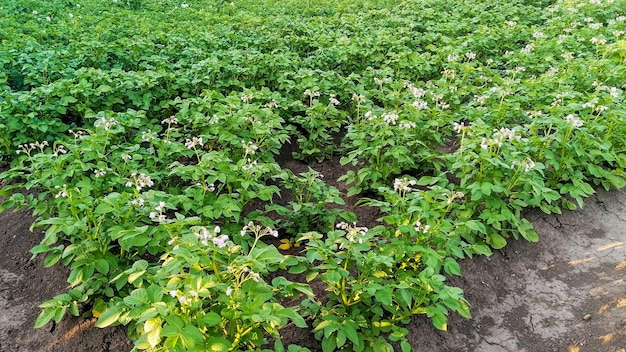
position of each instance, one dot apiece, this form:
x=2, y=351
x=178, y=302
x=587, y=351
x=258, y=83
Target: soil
x=565, y=293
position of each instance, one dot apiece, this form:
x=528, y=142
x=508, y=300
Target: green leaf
x=193, y=336
x=496, y=241
x=464, y=309
x=134, y=240
x=481, y=249
x=438, y=318
x=152, y=328
x=350, y=329
x=66, y=100
x=304, y=288
x=329, y=344
x=267, y=255
x=428, y=180
x=451, y=266
x=397, y=335
x=385, y=295
x=476, y=226
x=104, y=88
x=132, y=277
x=298, y=268
x=103, y=208
x=323, y=325
x=45, y=316
x=76, y=276
x=293, y=316
x=102, y=265
x=73, y=308
x=341, y=338
x=58, y=315
x=526, y=229
x=52, y=258
x=485, y=188
x=405, y=347
x=109, y=317
x=354, y=190
x=217, y=344
x=40, y=248
x=278, y=346
x=212, y=319
x=550, y=195
x=99, y=307
x=405, y=297
x=137, y=297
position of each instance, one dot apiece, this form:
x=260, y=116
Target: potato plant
x=149, y=139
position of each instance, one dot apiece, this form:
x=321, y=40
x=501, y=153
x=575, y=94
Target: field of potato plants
x=147, y=137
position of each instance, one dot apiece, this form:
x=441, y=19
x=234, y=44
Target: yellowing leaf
x=285, y=244
x=380, y=274
x=98, y=308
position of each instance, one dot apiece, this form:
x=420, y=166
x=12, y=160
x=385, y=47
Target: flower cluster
x=249, y=148
x=62, y=193
x=416, y=92
x=76, y=134
x=249, y=165
x=182, y=299
x=454, y=195
x=148, y=136
x=460, y=127
x=105, y=123
x=258, y=230
x=272, y=104
x=246, y=98
x=407, y=125
x=59, y=149
x=245, y=273
x=99, y=172
x=403, y=185
x=311, y=94
x=526, y=164
x=598, y=41
x=139, y=181
x=193, y=142
x=138, y=202
x=205, y=236
x=353, y=232
x=573, y=120
x=381, y=81
x=499, y=136
x=207, y=187
x=29, y=147
x=172, y=120
x=419, y=227
x=158, y=214
x=506, y=133
x=420, y=105
x=390, y=118
x=358, y=98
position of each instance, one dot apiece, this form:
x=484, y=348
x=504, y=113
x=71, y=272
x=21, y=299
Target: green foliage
x=150, y=146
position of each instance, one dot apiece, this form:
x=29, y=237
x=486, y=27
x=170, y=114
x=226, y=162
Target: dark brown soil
x=565, y=293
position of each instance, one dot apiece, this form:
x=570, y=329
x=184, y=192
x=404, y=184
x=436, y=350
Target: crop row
x=152, y=148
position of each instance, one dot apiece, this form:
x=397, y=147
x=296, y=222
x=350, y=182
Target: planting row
x=150, y=154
